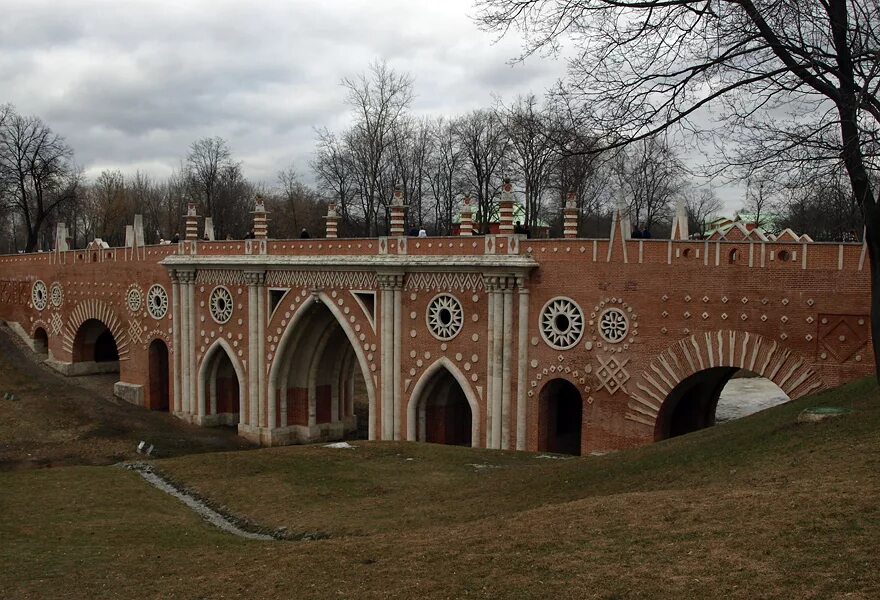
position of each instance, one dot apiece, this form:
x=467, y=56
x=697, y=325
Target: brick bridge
x=497, y=341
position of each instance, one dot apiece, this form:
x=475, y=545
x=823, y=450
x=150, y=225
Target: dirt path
x=59, y=420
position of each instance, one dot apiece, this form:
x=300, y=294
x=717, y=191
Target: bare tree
x=483, y=143
x=445, y=175
x=826, y=210
x=208, y=161
x=651, y=175
x=295, y=206
x=528, y=130
x=647, y=65
x=758, y=202
x=334, y=172
x=37, y=172
x=380, y=100
x=702, y=205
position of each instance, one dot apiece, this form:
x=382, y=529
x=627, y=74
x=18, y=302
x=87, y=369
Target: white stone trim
x=441, y=331
x=571, y=339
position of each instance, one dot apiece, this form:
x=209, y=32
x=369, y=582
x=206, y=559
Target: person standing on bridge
x=304, y=234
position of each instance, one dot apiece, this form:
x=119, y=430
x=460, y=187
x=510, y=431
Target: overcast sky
x=131, y=84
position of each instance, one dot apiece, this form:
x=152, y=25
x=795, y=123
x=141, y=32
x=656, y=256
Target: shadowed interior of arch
x=319, y=389
x=94, y=342
x=694, y=403
x=222, y=389
x=443, y=414
x=560, y=418
x=159, y=379
x=41, y=341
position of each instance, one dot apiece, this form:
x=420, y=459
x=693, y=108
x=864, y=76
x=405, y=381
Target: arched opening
x=317, y=384
x=443, y=413
x=159, y=380
x=221, y=389
x=731, y=256
x=41, y=341
x=560, y=418
x=746, y=393
x=714, y=395
x=94, y=343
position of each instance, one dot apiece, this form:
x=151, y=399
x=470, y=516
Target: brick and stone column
x=570, y=217
x=390, y=291
x=505, y=209
x=466, y=222
x=522, y=347
x=183, y=333
x=398, y=214
x=332, y=220
x=495, y=380
x=256, y=414
x=192, y=223
x=177, y=397
x=506, y=360
x=261, y=222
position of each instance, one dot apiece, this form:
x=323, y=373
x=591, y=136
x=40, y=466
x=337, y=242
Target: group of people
x=416, y=232
x=640, y=233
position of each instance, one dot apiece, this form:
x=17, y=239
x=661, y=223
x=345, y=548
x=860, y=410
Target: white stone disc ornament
x=39, y=295
x=134, y=299
x=613, y=325
x=57, y=294
x=157, y=301
x=221, y=305
x=444, y=317
x=562, y=323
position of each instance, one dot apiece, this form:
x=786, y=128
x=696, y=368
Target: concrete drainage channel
x=216, y=518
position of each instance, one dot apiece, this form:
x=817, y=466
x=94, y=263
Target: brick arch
x=725, y=348
x=39, y=324
x=296, y=322
x=100, y=311
x=418, y=390
x=203, y=383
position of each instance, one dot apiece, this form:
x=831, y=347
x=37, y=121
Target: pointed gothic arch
x=309, y=390
x=220, y=399
x=426, y=387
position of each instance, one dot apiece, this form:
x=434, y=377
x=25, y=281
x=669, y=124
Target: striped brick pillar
x=398, y=214
x=570, y=217
x=192, y=223
x=466, y=222
x=261, y=223
x=332, y=220
x=505, y=209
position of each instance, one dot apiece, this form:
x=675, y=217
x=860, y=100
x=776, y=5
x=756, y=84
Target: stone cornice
x=508, y=264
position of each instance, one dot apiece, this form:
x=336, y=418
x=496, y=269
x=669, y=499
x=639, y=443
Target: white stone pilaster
x=522, y=358
x=397, y=298
x=507, y=363
x=489, y=285
x=177, y=404
x=253, y=351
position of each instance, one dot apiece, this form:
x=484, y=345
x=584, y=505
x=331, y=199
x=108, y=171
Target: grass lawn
x=761, y=507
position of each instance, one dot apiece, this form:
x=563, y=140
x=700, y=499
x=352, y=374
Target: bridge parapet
x=500, y=316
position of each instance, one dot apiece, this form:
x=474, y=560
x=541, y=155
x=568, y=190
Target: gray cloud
x=132, y=84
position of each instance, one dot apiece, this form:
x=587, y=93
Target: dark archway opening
x=691, y=405
x=159, y=379
x=560, y=418
x=41, y=341
x=444, y=414
x=94, y=342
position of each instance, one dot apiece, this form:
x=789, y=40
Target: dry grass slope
x=761, y=507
